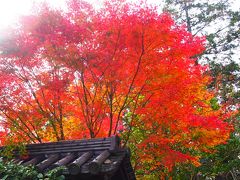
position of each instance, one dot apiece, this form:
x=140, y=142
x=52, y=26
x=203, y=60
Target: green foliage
x=134, y=136
x=13, y=171
x=226, y=81
x=214, y=104
x=7, y=152
x=10, y=170
x=224, y=160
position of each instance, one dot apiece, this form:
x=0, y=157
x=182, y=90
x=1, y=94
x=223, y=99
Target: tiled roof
x=100, y=158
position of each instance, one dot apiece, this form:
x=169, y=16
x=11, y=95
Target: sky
x=10, y=10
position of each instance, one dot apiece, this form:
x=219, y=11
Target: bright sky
x=11, y=9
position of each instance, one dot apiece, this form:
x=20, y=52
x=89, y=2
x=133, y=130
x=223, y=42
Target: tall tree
x=217, y=20
x=87, y=73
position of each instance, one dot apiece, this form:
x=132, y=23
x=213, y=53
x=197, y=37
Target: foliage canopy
x=92, y=73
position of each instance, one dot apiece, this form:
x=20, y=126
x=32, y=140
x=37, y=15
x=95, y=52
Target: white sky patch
x=10, y=10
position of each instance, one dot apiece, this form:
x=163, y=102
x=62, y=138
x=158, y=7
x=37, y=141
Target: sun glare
x=10, y=10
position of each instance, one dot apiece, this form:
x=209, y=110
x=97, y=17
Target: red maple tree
x=79, y=73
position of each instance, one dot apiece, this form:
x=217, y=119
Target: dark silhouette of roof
x=90, y=159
